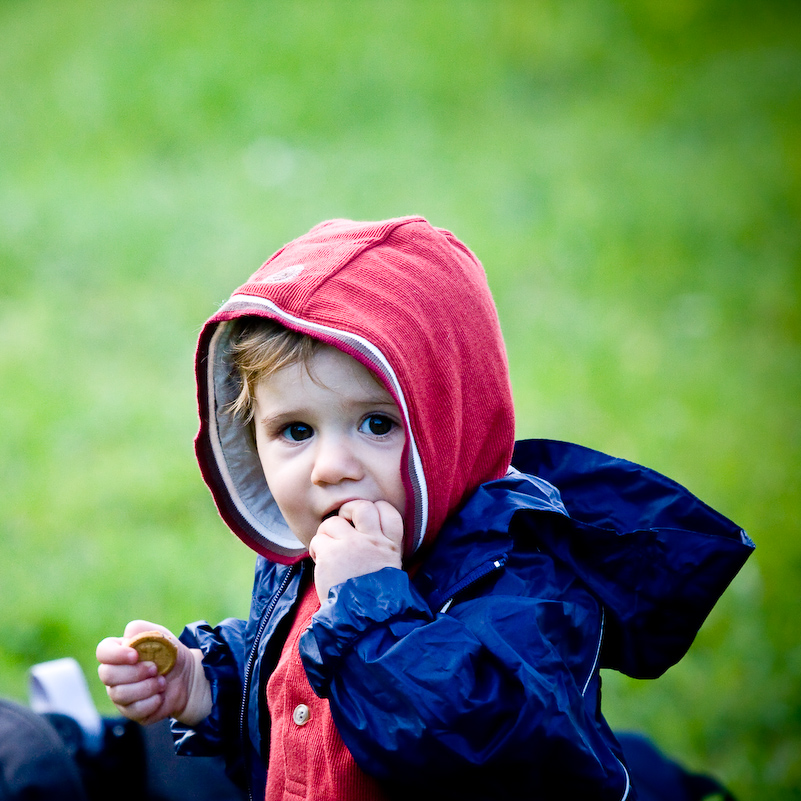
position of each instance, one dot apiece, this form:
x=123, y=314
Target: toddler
x=432, y=602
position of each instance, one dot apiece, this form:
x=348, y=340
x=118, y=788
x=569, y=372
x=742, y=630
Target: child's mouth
x=332, y=513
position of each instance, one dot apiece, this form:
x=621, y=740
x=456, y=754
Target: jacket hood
x=411, y=303
x=655, y=556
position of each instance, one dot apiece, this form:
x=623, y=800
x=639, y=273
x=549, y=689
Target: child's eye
x=297, y=432
x=377, y=424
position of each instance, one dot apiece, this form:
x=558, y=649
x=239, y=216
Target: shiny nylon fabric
x=412, y=303
x=498, y=697
x=504, y=688
x=656, y=556
x=517, y=653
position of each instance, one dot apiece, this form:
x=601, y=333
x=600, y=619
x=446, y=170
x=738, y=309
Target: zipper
x=265, y=618
x=479, y=574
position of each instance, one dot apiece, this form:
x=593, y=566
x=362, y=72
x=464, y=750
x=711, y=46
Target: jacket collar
x=477, y=539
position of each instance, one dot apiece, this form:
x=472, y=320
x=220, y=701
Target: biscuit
x=153, y=646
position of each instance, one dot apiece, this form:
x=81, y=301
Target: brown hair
x=261, y=347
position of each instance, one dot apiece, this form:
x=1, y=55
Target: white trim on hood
x=259, y=509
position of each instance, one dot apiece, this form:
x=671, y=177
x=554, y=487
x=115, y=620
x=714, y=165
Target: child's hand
x=140, y=694
x=363, y=538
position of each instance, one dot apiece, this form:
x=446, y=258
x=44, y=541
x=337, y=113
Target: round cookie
x=153, y=646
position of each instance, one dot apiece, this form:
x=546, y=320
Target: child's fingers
x=149, y=709
x=126, y=695
x=380, y=522
x=145, y=711
x=111, y=651
x=391, y=522
x=112, y=675
x=362, y=515
x=352, y=521
x=120, y=665
x=335, y=528
x=379, y=517
x=114, y=651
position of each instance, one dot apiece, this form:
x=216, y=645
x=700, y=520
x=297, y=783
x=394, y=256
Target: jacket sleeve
x=499, y=681
x=222, y=647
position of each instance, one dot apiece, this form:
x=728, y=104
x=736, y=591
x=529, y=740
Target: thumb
x=138, y=626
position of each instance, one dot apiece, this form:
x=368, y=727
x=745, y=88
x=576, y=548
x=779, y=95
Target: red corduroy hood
x=410, y=302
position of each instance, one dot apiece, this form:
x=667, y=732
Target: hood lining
x=234, y=455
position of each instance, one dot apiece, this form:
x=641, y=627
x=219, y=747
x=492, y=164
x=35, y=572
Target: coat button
x=301, y=714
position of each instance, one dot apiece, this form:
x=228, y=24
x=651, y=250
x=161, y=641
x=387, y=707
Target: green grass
x=628, y=172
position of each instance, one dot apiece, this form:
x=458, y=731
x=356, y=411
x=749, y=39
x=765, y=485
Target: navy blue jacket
x=476, y=674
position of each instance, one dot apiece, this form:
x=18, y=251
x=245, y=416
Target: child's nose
x=335, y=461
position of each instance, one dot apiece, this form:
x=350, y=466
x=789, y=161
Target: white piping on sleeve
x=627, y=789
x=597, y=653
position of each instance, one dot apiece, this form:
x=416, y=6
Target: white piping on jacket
x=627, y=789
x=597, y=652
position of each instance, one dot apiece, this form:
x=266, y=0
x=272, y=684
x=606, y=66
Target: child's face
x=326, y=440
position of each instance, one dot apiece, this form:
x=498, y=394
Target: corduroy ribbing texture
x=308, y=760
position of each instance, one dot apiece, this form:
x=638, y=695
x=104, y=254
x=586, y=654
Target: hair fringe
x=260, y=348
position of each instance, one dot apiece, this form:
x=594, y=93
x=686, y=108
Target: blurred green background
x=628, y=172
